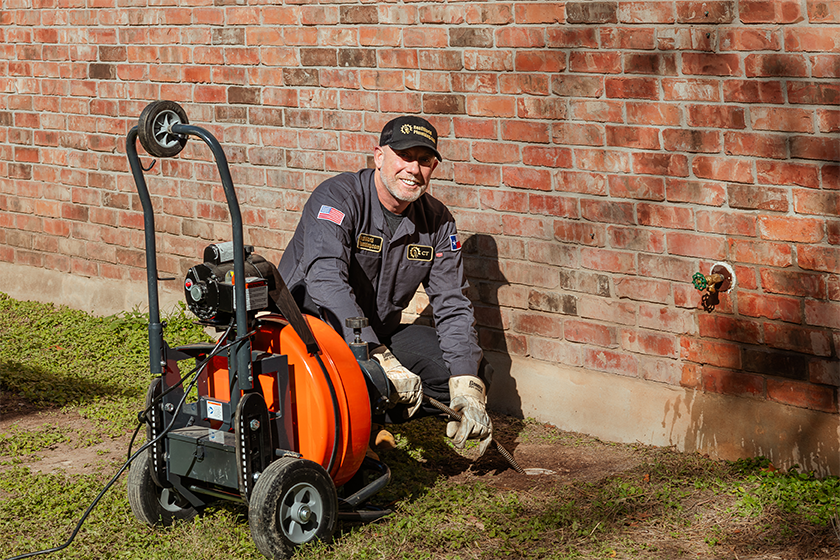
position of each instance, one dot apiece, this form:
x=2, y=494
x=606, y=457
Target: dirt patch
x=81, y=452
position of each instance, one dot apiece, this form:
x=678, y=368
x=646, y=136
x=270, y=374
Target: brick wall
x=597, y=155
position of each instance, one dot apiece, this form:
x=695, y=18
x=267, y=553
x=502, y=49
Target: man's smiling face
x=404, y=175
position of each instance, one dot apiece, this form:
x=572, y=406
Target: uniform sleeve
x=452, y=310
x=326, y=257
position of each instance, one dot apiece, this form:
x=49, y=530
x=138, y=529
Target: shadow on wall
x=481, y=265
x=736, y=427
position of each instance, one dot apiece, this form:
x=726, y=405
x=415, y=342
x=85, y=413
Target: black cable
x=145, y=446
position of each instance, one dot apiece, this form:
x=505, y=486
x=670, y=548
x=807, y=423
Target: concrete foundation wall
x=627, y=410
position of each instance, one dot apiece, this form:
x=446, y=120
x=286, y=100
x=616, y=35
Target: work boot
x=380, y=438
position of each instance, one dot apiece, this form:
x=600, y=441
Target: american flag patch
x=454, y=243
x=331, y=214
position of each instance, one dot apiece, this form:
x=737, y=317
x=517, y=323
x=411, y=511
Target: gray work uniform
x=344, y=255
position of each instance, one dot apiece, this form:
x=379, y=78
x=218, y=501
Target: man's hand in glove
x=406, y=387
x=467, y=395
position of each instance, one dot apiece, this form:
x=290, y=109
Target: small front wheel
x=154, y=129
x=150, y=503
x=294, y=502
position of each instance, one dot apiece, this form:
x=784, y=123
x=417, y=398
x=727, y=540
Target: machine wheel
x=150, y=503
x=294, y=502
x=154, y=129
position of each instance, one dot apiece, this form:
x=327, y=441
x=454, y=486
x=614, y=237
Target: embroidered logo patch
x=367, y=242
x=454, y=243
x=331, y=214
x=419, y=253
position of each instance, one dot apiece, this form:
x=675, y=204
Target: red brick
x=760, y=252
x=546, y=157
x=598, y=111
x=822, y=313
x=636, y=239
x=632, y=88
x=690, y=89
x=707, y=64
x=594, y=61
x=474, y=128
x=716, y=116
x=691, y=245
x=830, y=175
x=771, y=307
x=829, y=121
x=807, y=201
x=748, y=39
x=813, y=93
x=691, y=140
x=691, y=38
x=674, y=165
x=504, y=201
x=730, y=223
x=723, y=169
x=797, y=339
x=824, y=259
x=643, y=289
x=640, y=188
x=751, y=91
x=570, y=231
x=728, y=382
x=758, y=198
x=793, y=283
x=580, y=134
x=827, y=149
x=759, y=145
x=825, y=66
x=539, y=61
x=665, y=216
x=695, y=192
x=784, y=119
x=629, y=38
x=802, y=230
x=770, y=11
x=607, y=211
x=669, y=268
x=589, y=333
x=668, y=319
x=811, y=39
x=645, y=12
x=531, y=84
x=526, y=131
x=602, y=160
x=484, y=60
x=643, y=138
x=801, y=394
x=562, y=206
x=607, y=261
x=728, y=328
x=543, y=12
x=712, y=352
x=577, y=86
x=776, y=65
x=586, y=183
x=609, y=310
x=657, y=64
x=653, y=114
x=711, y=11
x=517, y=177
x=473, y=174
x=572, y=37
x=609, y=361
x=538, y=108
x=650, y=343
x=537, y=324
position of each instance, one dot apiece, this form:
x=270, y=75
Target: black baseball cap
x=408, y=132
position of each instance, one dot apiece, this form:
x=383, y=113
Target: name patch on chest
x=367, y=242
x=419, y=253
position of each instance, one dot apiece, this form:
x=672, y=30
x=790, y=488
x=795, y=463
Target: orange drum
x=310, y=400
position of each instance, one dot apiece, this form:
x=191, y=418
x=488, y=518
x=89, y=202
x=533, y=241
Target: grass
x=670, y=505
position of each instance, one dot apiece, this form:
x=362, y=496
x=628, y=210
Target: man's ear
x=378, y=154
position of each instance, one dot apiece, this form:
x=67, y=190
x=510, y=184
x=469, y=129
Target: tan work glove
x=467, y=395
x=406, y=387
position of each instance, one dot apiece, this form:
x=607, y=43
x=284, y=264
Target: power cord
x=197, y=371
